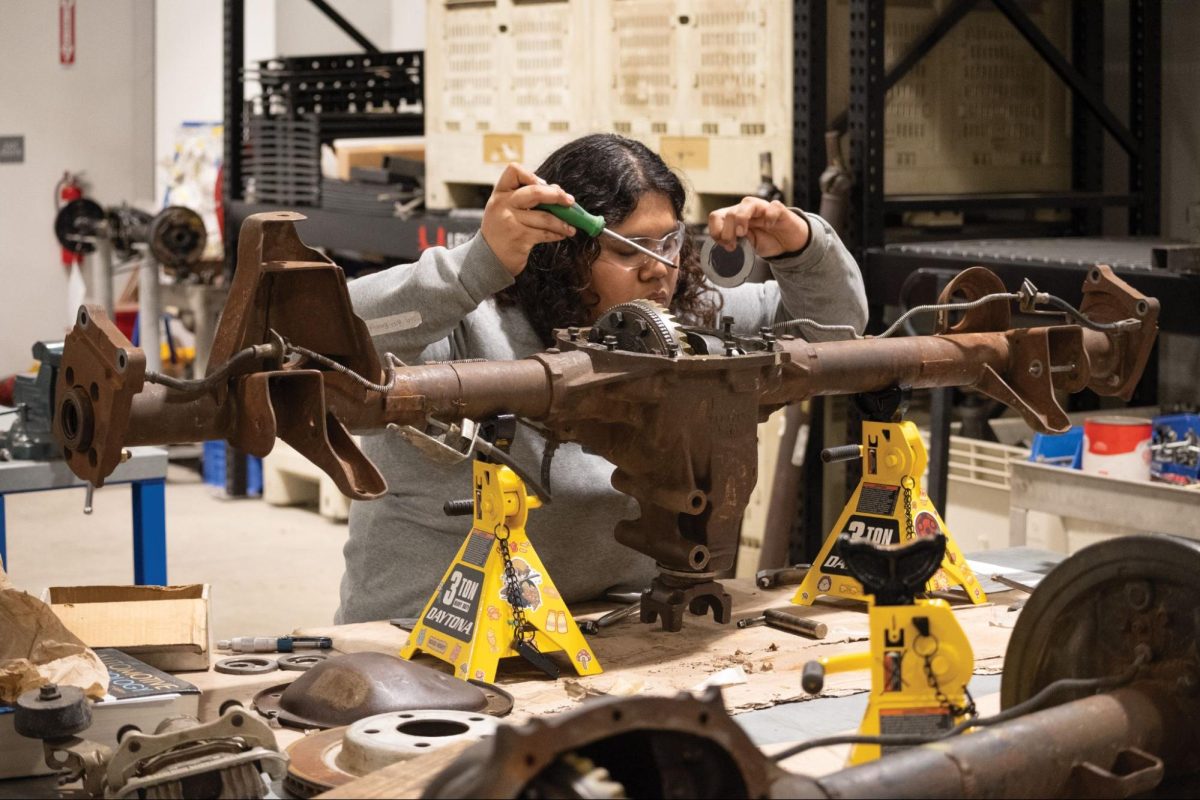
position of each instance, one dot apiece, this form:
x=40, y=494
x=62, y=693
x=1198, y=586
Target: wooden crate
x=505, y=81
x=708, y=84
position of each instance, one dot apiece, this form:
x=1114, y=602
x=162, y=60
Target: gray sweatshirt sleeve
x=822, y=283
x=409, y=307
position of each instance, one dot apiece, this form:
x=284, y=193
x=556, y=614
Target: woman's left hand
x=770, y=227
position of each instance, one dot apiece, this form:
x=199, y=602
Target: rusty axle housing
x=681, y=431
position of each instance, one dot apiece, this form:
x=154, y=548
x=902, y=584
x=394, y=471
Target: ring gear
x=641, y=326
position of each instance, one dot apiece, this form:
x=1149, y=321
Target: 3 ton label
x=874, y=529
x=456, y=607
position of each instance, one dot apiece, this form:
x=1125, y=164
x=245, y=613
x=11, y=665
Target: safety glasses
x=626, y=257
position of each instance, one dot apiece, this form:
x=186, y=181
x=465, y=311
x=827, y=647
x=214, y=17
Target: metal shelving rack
x=886, y=265
x=401, y=239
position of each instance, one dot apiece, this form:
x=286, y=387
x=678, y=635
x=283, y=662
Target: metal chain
x=942, y=698
x=522, y=631
x=907, y=484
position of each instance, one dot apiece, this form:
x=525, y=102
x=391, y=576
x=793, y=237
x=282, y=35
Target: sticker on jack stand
x=878, y=498
x=456, y=606
x=479, y=547
x=922, y=721
x=874, y=529
x=926, y=524
x=528, y=582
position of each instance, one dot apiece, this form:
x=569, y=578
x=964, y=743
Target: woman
x=501, y=295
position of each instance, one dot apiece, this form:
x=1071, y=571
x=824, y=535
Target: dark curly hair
x=608, y=175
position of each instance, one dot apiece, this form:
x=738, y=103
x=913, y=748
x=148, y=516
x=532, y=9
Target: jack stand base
x=667, y=596
x=889, y=507
x=470, y=620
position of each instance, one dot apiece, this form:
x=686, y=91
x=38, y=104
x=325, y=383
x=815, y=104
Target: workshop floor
x=271, y=569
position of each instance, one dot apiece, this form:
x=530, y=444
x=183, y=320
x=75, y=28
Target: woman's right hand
x=512, y=226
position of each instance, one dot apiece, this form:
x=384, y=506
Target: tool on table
x=634, y=607
x=1013, y=584
x=299, y=662
x=783, y=621
x=496, y=599
x=781, y=576
x=224, y=757
x=594, y=225
x=888, y=507
x=274, y=644
x=920, y=659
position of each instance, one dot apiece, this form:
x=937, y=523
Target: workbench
x=763, y=663
x=1139, y=505
x=146, y=472
x=760, y=665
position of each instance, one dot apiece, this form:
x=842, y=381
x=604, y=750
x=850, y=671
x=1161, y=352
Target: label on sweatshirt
x=394, y=323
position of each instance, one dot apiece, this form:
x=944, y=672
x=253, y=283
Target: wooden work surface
x=639, y=659
x=760, y=665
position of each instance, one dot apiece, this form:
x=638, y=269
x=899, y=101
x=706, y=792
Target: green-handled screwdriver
x=593, y=225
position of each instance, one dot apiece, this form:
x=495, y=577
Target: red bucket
x=1118, y=447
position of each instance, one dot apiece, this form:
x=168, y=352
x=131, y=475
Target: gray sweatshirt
x=441, y=308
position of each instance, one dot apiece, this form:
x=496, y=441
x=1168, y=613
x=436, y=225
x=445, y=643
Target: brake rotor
x=334, y=757
x=345, y=689
x=311, y=765
x=177, y=237
x=640, y=326
x=76, y=222
x=1088, y=616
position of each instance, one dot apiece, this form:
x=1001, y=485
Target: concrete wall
x=95, y=116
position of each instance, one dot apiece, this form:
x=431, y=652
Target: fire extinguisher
x=69, y=188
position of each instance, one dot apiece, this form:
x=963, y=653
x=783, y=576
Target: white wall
x=408, y=24
x=301, y=29
x=188, y=61
x=95, y=116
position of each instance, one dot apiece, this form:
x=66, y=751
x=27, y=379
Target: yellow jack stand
x=921, y=660
x=888, y=507
x=469, y=622
x=902, y=701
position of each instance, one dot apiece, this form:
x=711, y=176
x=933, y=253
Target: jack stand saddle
x=888, y=507
x=496, y=600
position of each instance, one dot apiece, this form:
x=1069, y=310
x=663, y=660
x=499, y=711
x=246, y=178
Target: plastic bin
x=213, y=464
x=1174, y=452
x=1061, y=450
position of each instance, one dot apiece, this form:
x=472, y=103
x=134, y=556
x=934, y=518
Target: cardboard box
x=371, y=152
x=165, y=626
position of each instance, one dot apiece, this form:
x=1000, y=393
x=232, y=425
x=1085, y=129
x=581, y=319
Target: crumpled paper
x=36, y=649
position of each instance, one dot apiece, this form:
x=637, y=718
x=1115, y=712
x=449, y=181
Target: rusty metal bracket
x=971, y=284
x=100, y=374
